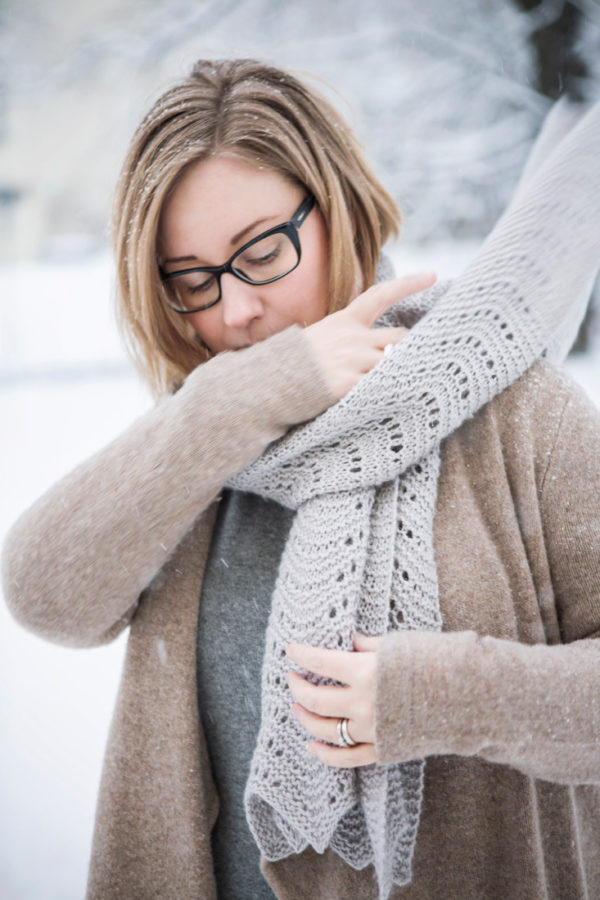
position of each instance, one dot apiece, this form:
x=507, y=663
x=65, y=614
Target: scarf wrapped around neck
x=362, y=478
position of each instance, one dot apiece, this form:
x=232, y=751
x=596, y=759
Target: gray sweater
x=235, y=602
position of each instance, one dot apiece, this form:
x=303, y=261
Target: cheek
x=206, y=326
x=305, y=298
x=311, y=284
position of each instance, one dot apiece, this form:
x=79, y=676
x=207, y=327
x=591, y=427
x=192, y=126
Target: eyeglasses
x=267, y=257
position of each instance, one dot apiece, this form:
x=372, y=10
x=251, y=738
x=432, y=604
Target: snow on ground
x=65, y=391
x=55, y=703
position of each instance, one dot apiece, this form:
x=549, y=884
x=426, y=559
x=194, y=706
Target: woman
x=246, y=220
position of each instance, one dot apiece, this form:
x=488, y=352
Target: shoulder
x=543, y=397
x=544, y=413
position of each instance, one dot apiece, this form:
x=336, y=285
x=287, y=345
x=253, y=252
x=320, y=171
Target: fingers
x=325, y=731
x=344, y=344
x=384, y=336
x=371, y=304
x=343, y=757
x=332, y=664
x=325, y=728
x=338, y=665
x=319, y=708
x=323, y=700
x=364, y=643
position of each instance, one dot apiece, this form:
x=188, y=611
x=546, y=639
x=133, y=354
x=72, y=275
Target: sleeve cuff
x=427, y=695
x=288, y=385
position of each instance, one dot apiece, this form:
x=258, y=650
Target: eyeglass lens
x=265, y=260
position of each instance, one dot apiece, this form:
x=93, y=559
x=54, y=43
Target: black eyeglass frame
x=289, y=228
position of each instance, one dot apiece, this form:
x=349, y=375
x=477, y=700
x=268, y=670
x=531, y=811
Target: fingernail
x=310, y=748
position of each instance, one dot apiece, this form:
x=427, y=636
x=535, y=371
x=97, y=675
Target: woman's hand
x=319, y=708
x=345, y=343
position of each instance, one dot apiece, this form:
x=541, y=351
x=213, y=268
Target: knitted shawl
x=362, y=478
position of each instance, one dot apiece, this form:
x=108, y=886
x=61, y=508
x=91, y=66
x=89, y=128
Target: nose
x=240, y=302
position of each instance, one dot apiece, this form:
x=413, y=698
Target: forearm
x=76, y=562
x=533, y=707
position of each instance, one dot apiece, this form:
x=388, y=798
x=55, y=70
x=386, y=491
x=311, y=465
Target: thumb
x=363, y=642
x=372, y=304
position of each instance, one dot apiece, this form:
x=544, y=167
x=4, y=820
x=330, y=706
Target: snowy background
x=446, y=97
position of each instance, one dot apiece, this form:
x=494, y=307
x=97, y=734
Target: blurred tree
x=560, y=68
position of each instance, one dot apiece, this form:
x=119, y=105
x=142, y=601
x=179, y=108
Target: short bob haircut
x=245, y=110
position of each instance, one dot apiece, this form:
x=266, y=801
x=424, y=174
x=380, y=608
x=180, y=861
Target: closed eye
x=202, y=286
x=264, y=259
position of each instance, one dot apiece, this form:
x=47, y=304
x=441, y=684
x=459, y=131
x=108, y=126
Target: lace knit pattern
x=363, y=479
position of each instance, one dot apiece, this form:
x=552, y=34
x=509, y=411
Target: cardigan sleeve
x=76, y=562
x=531, y=706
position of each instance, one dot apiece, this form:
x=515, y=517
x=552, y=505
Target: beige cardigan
x=505, y=702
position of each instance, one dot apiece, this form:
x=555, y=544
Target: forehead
x=218, y=198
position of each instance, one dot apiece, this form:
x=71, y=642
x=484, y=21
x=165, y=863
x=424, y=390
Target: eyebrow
x=234, y=240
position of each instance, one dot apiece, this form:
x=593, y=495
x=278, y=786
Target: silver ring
x=388, y=349
x=345, y=735
x=344, y=739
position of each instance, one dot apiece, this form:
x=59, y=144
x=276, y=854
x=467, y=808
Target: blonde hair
x=259, y=114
